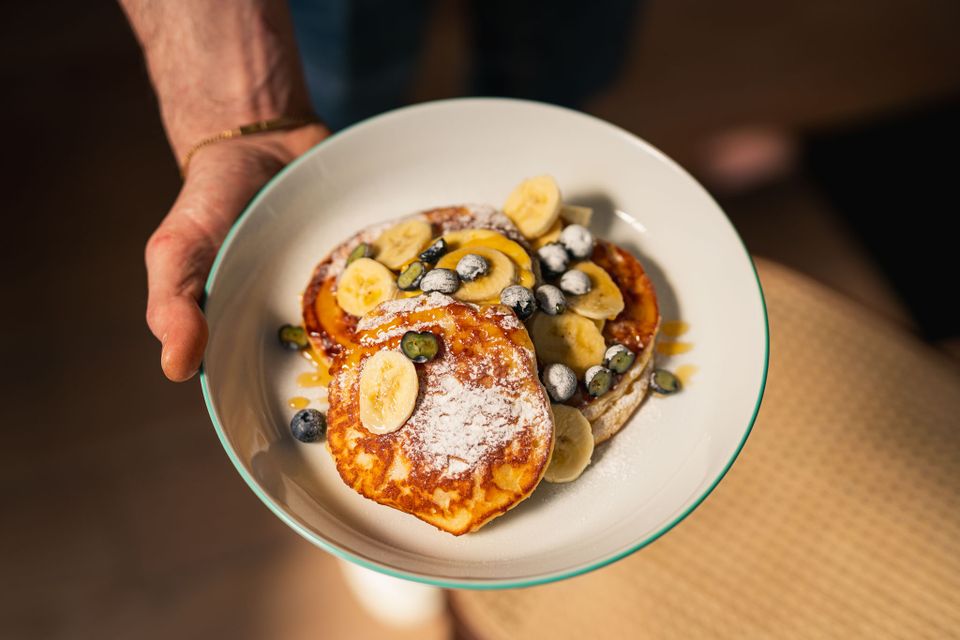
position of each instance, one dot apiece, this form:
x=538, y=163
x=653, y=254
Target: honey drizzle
x=674, y=328
x=308, y=379
x=673, y=348
x=685, y=373
x=318, y=378
x=298, y=402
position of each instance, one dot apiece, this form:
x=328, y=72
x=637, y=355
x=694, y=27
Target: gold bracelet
x=276, y=124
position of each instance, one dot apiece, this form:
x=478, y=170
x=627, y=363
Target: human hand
x=213, y=65
x=221, y=180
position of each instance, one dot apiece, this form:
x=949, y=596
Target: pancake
x=635, y=327
x=330, y=328
x=481, y=433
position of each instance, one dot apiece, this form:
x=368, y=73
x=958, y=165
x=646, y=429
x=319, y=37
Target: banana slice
x=485, y=289
x=487, y=238
x=457, y=239
x=402, y=242
x=569, y=339
x=534, y=205
x=388, y=391
x=493, y=240
x=572, y=445
x=512, y=250
x=575, y=214
x=603, y=301
x=552, y=235
x=363, y=285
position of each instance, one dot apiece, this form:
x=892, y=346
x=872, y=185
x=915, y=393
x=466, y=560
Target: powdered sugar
x=459, y=422
x=468, y=407
x=392, y=309
x=483, y=216
x=380, y=322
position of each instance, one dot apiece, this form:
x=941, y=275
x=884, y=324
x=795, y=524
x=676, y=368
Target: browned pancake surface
x=481, y=434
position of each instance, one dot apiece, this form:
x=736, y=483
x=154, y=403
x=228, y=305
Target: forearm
x=216, y=65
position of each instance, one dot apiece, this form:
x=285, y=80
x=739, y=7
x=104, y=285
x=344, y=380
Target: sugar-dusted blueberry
x=598, y=380
x=575, y=282
x=471, y=266
x=432, y=253
x=560, y=381
x=578, y=241
x=441, y=280
x=308, y=425
x=551, y=300
x=618, y=358
x=553, y=258
x=520, y=299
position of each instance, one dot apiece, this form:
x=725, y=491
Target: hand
x=221, y=180
x=213, y=64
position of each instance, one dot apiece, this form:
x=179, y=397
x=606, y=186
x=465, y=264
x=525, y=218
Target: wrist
x=261, y=154
x=190, y=116
x=218, y=66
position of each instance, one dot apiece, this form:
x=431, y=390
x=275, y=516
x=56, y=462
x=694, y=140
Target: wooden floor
x=122, y=517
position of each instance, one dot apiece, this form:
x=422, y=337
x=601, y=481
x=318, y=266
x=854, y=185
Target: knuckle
x=152, y=316
x=164, y=243
x=157, y=242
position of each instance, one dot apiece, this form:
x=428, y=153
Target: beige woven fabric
x=840, y=519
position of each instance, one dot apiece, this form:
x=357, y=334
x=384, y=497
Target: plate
x=641, y=483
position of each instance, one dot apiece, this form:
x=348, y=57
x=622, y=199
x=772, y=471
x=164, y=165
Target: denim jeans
x=360, y=56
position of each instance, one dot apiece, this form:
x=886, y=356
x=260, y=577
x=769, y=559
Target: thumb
x=178, y=258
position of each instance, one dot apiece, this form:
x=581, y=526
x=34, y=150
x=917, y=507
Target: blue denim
x=360, y=56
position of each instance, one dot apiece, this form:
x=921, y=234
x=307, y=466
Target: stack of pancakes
x=481, y=434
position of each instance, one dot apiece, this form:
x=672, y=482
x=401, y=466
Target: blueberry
x=419, y=347
x=362, y=250
x=598, y=380
x=575, y=282
x=554, y=258
x=442, y=280
x=520, y=299
x=471, y=266
x=551, y=300
x=578, y=241
x=432, y=253
x=560, y=381
x=308, y=425
x=293, y=338
x=664, y=382
x=409, y=279
x=618, y=358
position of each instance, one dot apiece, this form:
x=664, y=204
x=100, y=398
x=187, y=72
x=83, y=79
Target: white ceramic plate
x=640, y=484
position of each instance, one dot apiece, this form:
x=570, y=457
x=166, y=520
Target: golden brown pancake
x=329, y=327
x=481, y=434
x=636, y=328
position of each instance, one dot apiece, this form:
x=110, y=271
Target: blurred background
x=827, y=129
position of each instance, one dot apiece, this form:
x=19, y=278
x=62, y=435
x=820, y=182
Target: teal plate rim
x=449, y=583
